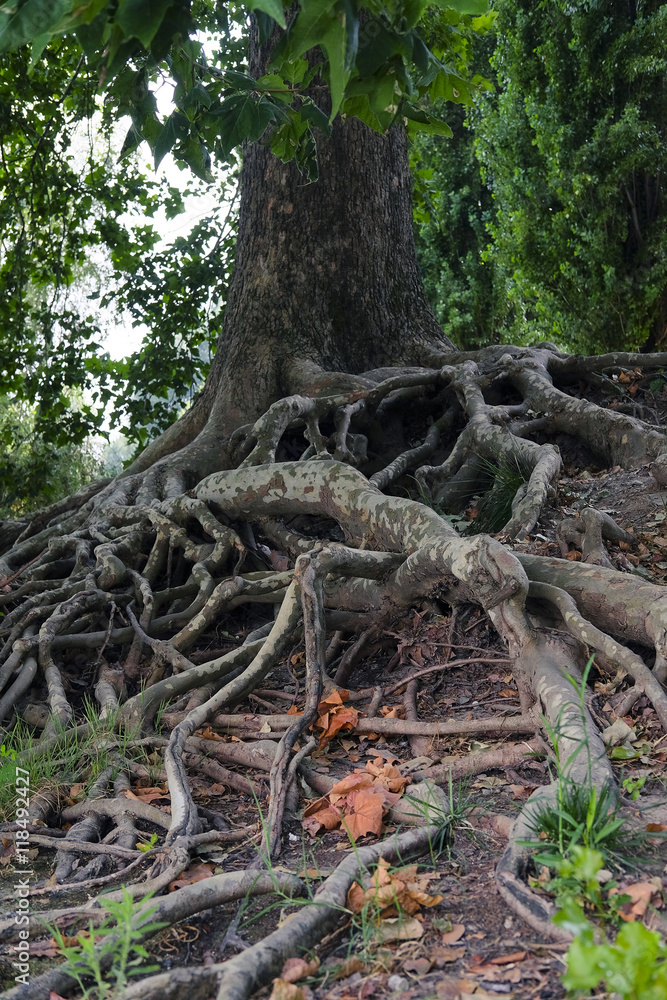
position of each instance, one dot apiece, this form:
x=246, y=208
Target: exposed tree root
x=123, y=587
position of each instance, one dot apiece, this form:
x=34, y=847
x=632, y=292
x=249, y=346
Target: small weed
x=149, y=844
x=583, y=817
x=459, y=522
x=494, y=507
x=633, y=967
x=633, y=787
x=113, y=948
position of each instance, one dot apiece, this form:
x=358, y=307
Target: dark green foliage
x=574, y=152
x=453, y=208
x=585, y=817
x=35, y=472
x=563, y=164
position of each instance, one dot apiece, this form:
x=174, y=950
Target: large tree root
x=120, y=590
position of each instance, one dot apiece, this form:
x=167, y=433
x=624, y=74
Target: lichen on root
x=122, y=583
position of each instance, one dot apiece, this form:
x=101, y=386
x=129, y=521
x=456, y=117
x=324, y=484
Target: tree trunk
x=326, y=276
x=326, y=282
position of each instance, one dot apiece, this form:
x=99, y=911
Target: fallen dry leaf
x=148, y=794
x=398, y=929
x=400, y=890
x=365, y=816
x=298, y=968
x=656, y=827
x=418, y=966
x=195, y=873
x=334, y=715
x=282, y=990
x=454, y=935
x=443, y=956
x=515, y=956
x=349, y=967
x=77, y=791
x=358, y=801
x=209, y=734
x=640, y=894
x=451, y=987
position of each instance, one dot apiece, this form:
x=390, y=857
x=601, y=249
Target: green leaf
x=463, y=6
x=286, y=138
x=31, y=21
x=176, y=127
x=421, y=121
x=141, y=20
x=311, y=113
x=273, y=8
x=323, y=23
x=239, y=81
x=243, y=116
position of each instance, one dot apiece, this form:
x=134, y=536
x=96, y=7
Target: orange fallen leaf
x=148, y=794
x=293, y=710
x=393, y=891
x=349, y=967
x=208, y=734
x=656, y=827
x=443, y=956
x=456, y=933
x=195, y=873
x=334, y=715
x=298, y=968
x=365, y=816
x=77, y=791
x=515, y=956
x=282, y=990
x=640, y=894
x=418, y=966
x=392, y=712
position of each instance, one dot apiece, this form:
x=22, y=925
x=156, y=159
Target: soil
x=471, y=944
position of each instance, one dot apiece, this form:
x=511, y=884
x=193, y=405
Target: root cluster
x=311, y=535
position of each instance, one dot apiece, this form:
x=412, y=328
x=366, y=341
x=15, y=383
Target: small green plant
x=583, y=817
x=114, y=948
x=633, y=787
x=494, y=507
x=149, y=844
x=633, y=967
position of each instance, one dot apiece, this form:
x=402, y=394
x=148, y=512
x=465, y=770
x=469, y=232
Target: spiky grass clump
x=494, y=507
x=584, y=817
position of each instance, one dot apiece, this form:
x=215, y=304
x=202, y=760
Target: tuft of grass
x=494, y=507
x=76, y=759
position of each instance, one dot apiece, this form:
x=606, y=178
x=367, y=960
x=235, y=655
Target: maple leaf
x=400, y=890
x=358, y=801
x=365, y=816
x=319, y=814
x=334, y=715
x=298, y=968
x=195, y=873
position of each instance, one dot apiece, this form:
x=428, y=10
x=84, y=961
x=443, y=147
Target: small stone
x=618, y=733
x=397, y=984
x=659, y=469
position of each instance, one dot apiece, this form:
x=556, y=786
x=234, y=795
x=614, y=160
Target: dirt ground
x=469, y=943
